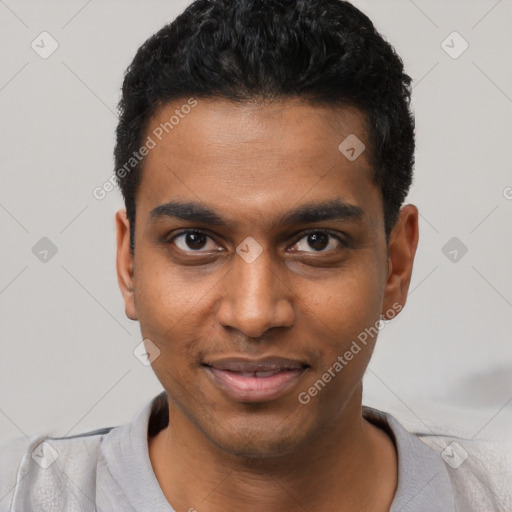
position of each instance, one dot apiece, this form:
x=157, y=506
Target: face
x=260, y=257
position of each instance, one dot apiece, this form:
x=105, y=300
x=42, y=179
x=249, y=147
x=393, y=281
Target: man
x=264, y=152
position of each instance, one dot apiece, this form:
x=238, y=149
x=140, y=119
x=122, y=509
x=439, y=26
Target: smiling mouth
x=255, y=381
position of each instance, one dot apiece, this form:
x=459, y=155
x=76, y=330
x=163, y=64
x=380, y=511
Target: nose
x=255, y=298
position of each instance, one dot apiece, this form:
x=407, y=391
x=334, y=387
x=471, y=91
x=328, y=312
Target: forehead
x=256, y=158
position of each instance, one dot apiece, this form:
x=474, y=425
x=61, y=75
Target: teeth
x=268, y=373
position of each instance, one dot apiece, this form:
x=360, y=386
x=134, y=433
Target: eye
x=318, y=241
x=194, y=241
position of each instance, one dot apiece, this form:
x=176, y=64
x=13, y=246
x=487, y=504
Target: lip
x=255, y=380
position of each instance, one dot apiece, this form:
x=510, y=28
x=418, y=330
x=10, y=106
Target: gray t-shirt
x=110, y=470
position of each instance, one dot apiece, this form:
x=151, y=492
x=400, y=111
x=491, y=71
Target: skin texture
x=252, y=163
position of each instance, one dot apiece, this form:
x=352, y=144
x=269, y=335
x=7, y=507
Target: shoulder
x=480, y=470
x=43, y=469
x=476, y=473
x=11, y=453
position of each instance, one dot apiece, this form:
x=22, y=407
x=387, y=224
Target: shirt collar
x=423, y=481
x=127, y=447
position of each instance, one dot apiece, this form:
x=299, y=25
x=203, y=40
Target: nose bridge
x=255, y=298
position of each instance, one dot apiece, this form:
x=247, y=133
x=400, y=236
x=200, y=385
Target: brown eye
x=318, y=241
x=193, y=241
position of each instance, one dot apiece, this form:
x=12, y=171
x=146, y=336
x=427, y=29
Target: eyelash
x=304, y=234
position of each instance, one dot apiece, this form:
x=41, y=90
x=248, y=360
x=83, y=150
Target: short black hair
x=322, y=51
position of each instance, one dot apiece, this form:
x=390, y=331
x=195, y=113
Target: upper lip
x=239, y=364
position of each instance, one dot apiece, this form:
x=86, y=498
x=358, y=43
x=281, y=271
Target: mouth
x=245, y=380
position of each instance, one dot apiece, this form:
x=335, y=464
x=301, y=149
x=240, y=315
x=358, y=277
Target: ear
x=403, y=241
x=125, y=264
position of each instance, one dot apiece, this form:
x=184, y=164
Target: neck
x=350, y=466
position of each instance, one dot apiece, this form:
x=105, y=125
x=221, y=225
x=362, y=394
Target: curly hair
x=322, y=51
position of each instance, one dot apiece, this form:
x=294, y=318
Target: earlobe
x=402, y=246
x=125, y=264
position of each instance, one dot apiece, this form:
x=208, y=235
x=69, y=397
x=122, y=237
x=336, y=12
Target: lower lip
x=255, y=389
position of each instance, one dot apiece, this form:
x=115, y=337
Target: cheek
x=347, y=301
x=165, y=311
x=165, y=297
x=341, y=315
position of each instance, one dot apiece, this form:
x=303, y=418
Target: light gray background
x=67, y=362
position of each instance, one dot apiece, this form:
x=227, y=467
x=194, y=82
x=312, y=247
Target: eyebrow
x=309, y=213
